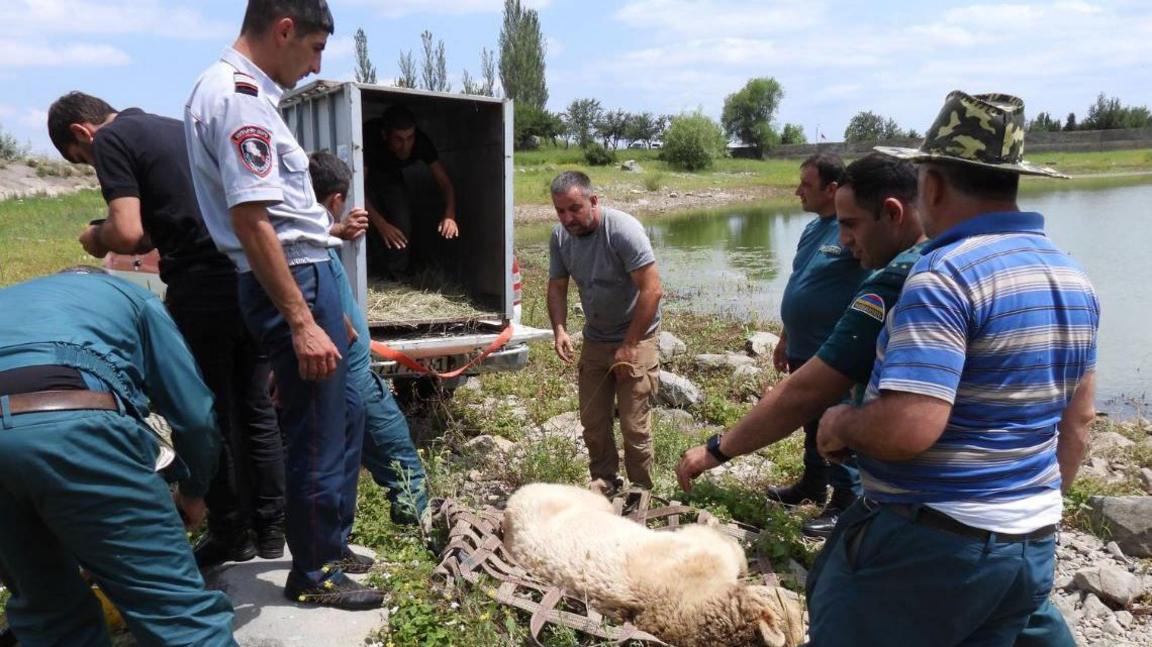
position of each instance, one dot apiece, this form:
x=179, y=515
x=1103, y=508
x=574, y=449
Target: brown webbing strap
x=475, y=550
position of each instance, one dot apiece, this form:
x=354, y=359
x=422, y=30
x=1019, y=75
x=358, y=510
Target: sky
x=833, y=58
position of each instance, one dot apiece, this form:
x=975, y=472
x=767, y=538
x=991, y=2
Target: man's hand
x=563, y=345
x=693, y=463
x=192, y=509
x=352, y=226
x=780, y=355
x=392, y=236
x=828, y=440
x=627, y=356
x=316, y=355
x=448, y=228
x=90, y=241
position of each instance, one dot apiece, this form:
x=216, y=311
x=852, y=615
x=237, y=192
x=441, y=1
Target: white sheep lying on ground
x=678, y=585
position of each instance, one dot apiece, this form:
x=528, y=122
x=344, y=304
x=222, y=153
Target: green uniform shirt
x=851, y=348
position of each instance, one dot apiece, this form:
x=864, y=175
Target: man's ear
x=284, y=29
x=894, y=210
x=594, y=199
x=82, y=132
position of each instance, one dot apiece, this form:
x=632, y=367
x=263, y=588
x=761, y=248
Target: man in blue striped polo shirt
x=976, y=414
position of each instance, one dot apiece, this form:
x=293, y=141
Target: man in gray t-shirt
x=608, y=254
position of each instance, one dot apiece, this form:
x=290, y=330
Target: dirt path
x=650, y=203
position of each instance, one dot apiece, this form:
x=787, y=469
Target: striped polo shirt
x=997, y=321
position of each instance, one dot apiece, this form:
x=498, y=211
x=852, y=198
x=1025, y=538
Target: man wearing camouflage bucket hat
x=976, y=415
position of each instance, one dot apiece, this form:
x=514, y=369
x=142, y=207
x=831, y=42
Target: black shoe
x=799, y=493
x=270, y=542
x=213, y=550
x=822, y=524
x=350, y=562
x=337, y=590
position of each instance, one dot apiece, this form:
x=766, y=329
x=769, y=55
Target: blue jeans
x=322, y=421
x=883, y=579
x=389, y=453
x=79, y=488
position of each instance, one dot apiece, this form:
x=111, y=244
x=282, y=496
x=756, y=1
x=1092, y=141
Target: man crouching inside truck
x=389, y=453
x=610, y=256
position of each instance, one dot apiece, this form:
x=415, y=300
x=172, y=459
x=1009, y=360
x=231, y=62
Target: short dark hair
x=874, y=178
x=397, y=118
x=330, y=175
x=310, y=16
x=564, y=182
x=828, y=166
x=978, y=181
x=74, y=108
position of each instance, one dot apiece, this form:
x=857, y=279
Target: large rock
x=1129, y=520
x=746, y=373
x=676, y=419
x=565, y=424
x=487, y=445
x=678, y=392
x=761, y=344
x=631, y=166
x=1094, y=608
x=1110, y=440
x=725, y=362
x=670, y=346
x=1146, y=476
x=1110, y=583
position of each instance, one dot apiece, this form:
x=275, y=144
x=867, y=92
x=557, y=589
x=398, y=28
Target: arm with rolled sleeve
x=173, y=383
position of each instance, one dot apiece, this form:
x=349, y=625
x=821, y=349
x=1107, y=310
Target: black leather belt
x=933, y=518
x=38, y=401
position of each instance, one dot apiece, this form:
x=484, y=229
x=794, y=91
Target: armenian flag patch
x=871, y=305
x=246, y=84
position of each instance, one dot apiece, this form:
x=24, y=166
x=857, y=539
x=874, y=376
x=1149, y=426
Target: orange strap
x=389, y=353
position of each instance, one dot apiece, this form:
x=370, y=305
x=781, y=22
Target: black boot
x=215, y=548
x=270, y=541
x=822, y=524
x=811, y=488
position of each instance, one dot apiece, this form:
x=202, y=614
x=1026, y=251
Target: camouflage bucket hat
x=982, y=130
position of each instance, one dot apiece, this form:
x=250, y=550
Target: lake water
x=736, y=263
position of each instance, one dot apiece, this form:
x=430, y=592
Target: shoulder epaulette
x=246, y=84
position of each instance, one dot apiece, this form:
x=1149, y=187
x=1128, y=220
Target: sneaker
x=337, y=590
x=350, y=562
x=212, y=550
x=270, y=542
x=606, y=487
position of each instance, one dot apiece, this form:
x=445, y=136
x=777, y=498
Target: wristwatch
x=713, y=447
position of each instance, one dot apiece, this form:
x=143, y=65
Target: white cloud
x=340, y=47
x=722, y=18
x=23, y=17
x=19, y=54
x=399, y=8
x=33, y=118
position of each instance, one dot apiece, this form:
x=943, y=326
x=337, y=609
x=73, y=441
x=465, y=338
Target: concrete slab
x=265, y=618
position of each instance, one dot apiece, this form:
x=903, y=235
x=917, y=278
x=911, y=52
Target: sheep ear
x=771, y=634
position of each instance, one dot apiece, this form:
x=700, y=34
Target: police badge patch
x=254, y=145
x=871, y=305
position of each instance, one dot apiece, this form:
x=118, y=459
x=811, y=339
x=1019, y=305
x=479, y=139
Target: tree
x=581, y=117
x=434, y=74
x=488, y=72
x=793, y=134
x=522, y=56
x=407, y=65
x=365, y=70
x=1043, y=123
x=692, y=141
x=748, y=114
x=612, y=127
x=1109, y=114
x=534, y=125
x=1070, y=122
x=867, y=126
x=645, y=127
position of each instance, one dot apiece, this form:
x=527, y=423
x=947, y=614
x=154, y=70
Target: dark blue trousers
x=78, y=488
x=841, y=476
x=883, y=579
x=322, y=421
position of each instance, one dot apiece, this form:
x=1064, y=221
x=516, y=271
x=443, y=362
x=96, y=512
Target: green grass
x=39, y=234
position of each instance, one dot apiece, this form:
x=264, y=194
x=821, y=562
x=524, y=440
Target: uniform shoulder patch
x=254, y=146
x=246, y=84
x=871, y=305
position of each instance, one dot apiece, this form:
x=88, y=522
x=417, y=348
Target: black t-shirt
x=381, y=160
x=140, y=155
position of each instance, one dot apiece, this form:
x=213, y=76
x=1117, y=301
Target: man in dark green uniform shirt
x=875, y=206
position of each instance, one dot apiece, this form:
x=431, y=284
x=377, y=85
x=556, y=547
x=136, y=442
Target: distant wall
x=1077, y=140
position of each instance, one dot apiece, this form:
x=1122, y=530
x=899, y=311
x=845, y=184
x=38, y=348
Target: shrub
x=10, y=148
x=596, y=155
x=693, y=141
x=654, y=181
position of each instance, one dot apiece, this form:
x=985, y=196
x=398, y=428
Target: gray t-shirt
x=601, y=264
